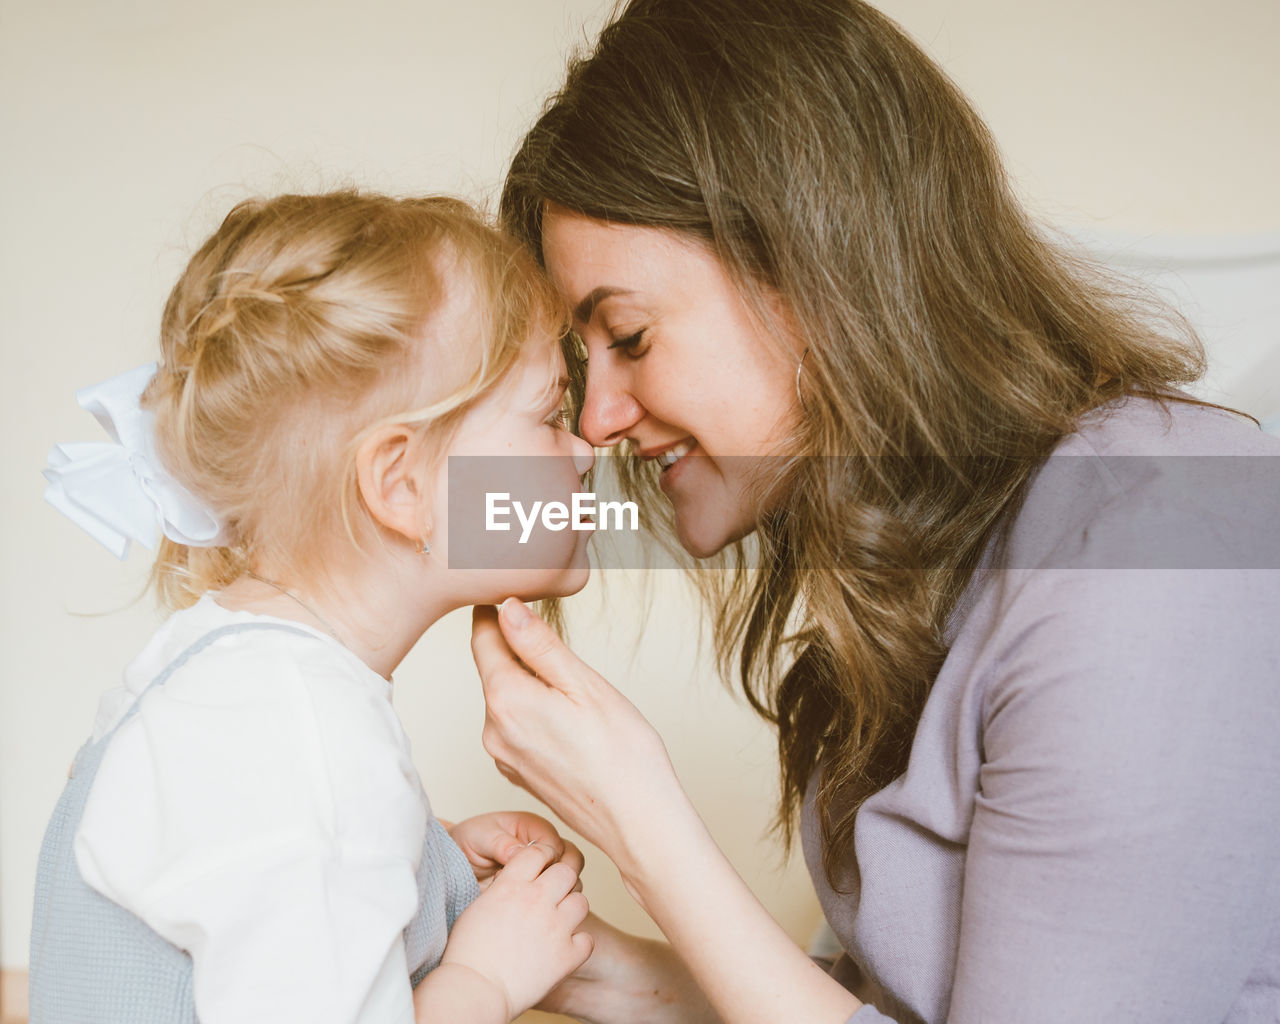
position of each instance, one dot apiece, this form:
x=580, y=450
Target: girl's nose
x=584, y=456
x=609, y=411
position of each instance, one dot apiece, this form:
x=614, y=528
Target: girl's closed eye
x=557, y=409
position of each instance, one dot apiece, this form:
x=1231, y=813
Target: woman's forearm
x=749, y=968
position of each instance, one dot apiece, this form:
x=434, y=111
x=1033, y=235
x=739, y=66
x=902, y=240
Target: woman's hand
x=491, y=840
x=562, y=732
x=519, y=938
x=558, y=729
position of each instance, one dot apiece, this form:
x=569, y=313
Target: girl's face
x=678, y=364
x=513, y=446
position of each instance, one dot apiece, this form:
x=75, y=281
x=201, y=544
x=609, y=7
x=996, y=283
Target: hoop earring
x=799, y=367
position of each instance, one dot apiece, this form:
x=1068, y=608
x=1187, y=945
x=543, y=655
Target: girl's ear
x=392, y=472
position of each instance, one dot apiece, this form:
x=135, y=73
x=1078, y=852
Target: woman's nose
x=608, y=411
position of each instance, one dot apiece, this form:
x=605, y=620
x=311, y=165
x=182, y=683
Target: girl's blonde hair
x=825, y=159
x=302, y=322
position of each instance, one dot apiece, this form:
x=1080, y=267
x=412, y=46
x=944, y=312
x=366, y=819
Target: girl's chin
x=537, y=585
x=573, y=580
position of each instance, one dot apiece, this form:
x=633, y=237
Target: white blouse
x=261, y=811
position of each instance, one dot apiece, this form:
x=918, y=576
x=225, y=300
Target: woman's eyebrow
x=583, y=310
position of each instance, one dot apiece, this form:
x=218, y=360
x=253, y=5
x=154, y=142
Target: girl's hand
x=568, y=737
x=522, y=934
x=491, y=840
x=628, y=978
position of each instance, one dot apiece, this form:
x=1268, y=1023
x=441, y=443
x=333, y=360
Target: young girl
x=244, y=838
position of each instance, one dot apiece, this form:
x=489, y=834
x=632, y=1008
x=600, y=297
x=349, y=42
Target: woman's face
x=677, y=363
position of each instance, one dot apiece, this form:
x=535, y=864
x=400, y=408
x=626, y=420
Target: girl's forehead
x=537, y=374
x=543, y=369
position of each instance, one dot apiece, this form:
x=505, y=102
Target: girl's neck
x=378, y=616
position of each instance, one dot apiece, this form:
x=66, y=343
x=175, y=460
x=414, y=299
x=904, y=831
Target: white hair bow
x=120, y=492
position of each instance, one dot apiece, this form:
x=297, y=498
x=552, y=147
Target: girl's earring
x=426, y=548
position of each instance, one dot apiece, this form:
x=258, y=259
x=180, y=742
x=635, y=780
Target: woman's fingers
x=537, y=645
x=512, y=645
x=488, y=648
x=488, y=740
x=503, y=680
x=515, y=701
x=572, y=740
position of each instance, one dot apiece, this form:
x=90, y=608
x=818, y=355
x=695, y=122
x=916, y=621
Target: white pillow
x=1229, y=288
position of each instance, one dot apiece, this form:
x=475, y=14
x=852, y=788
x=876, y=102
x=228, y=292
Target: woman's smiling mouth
x=674, y=454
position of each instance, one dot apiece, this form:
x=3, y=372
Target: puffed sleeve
x=1124, y=857
x=261, y=811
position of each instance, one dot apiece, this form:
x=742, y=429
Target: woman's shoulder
x=1149, y=485
x=1172, y=425
x=1151, y=537
x=1144, y=561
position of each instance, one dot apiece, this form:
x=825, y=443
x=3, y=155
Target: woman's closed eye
x=630, y=345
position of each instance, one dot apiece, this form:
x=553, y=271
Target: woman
x=812, y=313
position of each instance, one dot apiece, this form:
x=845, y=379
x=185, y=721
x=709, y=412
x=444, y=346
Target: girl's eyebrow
x=554, y=394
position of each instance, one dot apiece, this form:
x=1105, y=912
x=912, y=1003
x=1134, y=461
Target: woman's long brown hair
x=823, y=157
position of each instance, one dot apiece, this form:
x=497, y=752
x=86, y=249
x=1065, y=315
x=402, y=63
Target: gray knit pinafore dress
x=94, y=962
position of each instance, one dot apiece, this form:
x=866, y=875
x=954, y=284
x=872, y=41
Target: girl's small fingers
x=575, y=908
x=558, y=880
x=532, y=828
x=573, y=857
x=583, y=945
x=528, y=864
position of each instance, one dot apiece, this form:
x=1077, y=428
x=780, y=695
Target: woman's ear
x=392, y=474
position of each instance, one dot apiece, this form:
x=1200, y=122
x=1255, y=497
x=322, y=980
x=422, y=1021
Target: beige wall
x=128, y=129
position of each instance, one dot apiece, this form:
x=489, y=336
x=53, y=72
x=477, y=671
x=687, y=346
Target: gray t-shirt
x=1088, y=829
